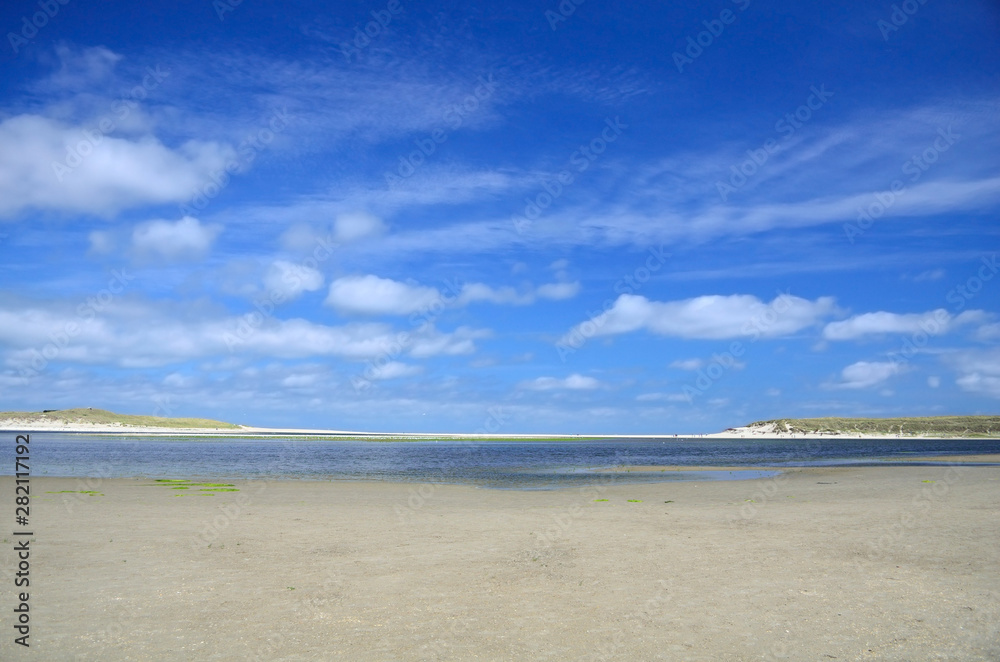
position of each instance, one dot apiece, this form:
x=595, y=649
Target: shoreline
x=248, y=431
x=701, y=472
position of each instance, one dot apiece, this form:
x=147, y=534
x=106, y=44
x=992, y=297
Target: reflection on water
x=521, y=465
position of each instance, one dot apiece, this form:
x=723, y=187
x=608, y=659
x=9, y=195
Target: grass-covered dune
x=932, y=426
x=89, y=416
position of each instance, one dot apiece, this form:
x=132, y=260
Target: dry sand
x=766, y=432
x=822, y=564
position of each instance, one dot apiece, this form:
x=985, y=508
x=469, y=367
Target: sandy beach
x=889, y=563
x=20, y=425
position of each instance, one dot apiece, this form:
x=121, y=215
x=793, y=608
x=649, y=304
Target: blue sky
x=540, y=217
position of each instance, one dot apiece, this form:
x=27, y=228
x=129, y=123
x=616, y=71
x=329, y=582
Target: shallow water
x=518, y=464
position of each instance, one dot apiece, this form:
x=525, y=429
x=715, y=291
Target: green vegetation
x=931, y=426
x=90, y=492
x=183, y=484
x=101, y=416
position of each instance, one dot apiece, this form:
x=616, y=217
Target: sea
x=488, y=464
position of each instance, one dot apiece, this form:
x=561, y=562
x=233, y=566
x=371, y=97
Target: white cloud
x=574, y=382
x=394, y=370
x=81, y=69
x=558, y=291
x=357, y=225
x=371, y=295
x=864, y=374
x=180, y=240
x=988, y=332
x=131, y=334
x=102, y=178
x=934, y=322
x=979, y=370
x=289, y=280
x=929, y=275
x=431, y=343
x=476, y=292
x=687, y=364
x=665, y=397
x=977, y=382
x=709, y=317
x=933, y=381
x=559, y=265
x=101, y=242
x=177, y=380
x=303, y=237
x=300, y=380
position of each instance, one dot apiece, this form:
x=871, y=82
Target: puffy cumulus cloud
x=48, y=165
x=288, y=280
x=131, y=334
x=574, y=382
x=866, y=373
x=371, y=295
x=711, y=317
x=357, y=225
x=476, y=292
x=978, y=370
x=181, y=240
x=933, y=323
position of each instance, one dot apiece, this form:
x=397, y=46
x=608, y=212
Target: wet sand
x=888, y=563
